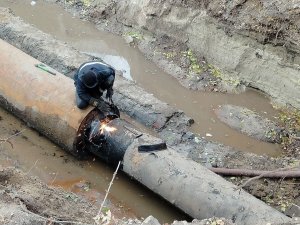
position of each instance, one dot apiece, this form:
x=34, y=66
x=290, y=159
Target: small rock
x=128, y=39
x=189, y=135
x=197, y=140
x=150, y=220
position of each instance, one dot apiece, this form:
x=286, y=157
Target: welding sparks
x=99, y=127
x=105, y=127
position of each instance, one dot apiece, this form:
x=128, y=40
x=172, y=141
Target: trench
x=84, y=36
x=37, y=156
x=113, y=49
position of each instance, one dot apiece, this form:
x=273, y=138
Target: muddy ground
x=271, y=22
x=27, y=200
x=283, y=194
x=216, y=45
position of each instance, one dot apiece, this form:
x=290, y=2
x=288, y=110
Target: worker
x=91, y=80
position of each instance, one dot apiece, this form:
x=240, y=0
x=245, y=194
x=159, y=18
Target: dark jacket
x=103, y=71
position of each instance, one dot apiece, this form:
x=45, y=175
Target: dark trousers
x=81, y=104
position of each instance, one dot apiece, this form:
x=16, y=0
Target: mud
x=27, y=200
x=193, y=141
x=128, y=98
x=159, y=50
x=39, y=157
x=239, y=40
x=247, y=121
x=113, y=50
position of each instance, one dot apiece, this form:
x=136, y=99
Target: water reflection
x=118, y=62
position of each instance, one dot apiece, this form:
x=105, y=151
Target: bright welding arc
x=107, y=128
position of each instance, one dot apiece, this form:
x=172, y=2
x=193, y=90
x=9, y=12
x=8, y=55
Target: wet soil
x=248, y=122
x=286, y=192
x=198, y=105
x=26, y=200
x=284, y=198
x=36, y=156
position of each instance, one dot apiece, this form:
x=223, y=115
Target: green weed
x=195, y=67
x=135, y=35
x=169, y=55
x=214, y=71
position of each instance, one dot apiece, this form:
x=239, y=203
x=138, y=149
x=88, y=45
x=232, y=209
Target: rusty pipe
x=43, y=100
x=47, y=103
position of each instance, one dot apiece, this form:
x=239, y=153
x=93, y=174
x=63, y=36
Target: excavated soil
x=26, y=200
x=270, y=22
x=275, y=23
x=216, y=45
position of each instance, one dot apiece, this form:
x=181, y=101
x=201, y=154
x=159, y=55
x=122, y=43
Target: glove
x=103, y=105
x=94, y=102
x=99, y=103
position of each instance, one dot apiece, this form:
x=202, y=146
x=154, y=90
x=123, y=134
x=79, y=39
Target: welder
x=91, y=80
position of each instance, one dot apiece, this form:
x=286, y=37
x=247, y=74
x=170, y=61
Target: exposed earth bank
x=206, y=72
x=26, y=200
x=220, y=46
x=216, y=45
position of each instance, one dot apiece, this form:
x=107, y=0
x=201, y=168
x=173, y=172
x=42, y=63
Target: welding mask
x=89, y=79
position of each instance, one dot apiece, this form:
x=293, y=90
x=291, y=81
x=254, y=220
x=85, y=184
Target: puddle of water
x=118, y=62
x=37, y=156
x=200, y=106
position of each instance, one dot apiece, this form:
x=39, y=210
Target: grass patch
x=217, y=73
x=291, y=121
x=85, y=3
x=195, y=67
x=135, y=35
x=214, y=71
x=170, y=55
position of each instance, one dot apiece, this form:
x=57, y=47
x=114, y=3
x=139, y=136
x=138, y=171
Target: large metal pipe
x=47, y=103
x=43, y=100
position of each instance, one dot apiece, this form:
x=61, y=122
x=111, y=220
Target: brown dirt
x=26, y=199
x=277, y=25
x=274, y=22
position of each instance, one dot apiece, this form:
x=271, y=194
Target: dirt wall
x=171, y=124
x=274, y=70
x=129, y=97
x=174, y=123
x=253, y=42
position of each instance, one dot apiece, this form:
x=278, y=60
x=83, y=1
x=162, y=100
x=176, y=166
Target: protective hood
x=89, y=79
